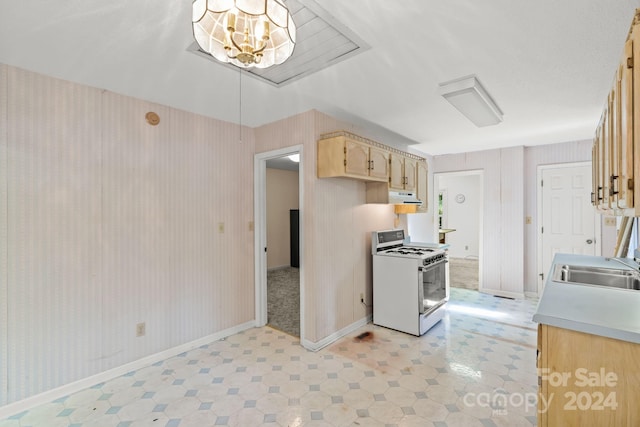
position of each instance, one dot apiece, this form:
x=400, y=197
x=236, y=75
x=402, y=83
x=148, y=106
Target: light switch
x=528, y=220
x=221, y=227
x=250, y=225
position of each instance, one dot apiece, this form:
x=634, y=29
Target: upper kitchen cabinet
x=349, y=156
x=385, y=168
x=402, y=172
x=617, y=136
x=422, y=180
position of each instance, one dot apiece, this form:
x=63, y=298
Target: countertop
x=597, y=310
x=446, y=230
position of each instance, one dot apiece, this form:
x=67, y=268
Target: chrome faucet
x=633, y=263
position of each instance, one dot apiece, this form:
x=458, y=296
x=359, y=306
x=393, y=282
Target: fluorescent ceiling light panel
x=472, y=100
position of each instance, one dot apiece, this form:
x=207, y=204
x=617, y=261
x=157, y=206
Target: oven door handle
x=435, y=264
x=421, y=271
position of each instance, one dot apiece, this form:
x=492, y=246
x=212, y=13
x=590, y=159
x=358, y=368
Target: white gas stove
x=410, y=286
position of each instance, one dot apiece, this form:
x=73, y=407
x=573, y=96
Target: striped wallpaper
x=4, y=261
x=337, y=231
x=503, y=192
x=510, y=187
x=107, y=221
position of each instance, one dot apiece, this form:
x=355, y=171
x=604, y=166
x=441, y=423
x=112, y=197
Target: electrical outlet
x=221, y=227
x=610, y=221
x=141, y=329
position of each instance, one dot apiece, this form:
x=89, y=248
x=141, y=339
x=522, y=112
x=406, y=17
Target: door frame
x=597, y=226
x=260, y=231
x=436, y=192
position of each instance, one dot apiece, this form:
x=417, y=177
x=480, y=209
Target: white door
x=568, y=219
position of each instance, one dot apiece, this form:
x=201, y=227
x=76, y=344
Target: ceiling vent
x=321, y=41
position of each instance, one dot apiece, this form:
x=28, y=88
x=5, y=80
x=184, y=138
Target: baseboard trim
x=533, y=295
x=515, y=295
x=48, y=396
x=315, y=346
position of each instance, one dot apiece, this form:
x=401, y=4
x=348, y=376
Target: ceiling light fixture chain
x=245, y=33
x=240, y=103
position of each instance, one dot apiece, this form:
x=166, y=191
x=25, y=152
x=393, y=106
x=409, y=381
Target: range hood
x=404, y=198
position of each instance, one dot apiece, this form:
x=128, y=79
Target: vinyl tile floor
x=474, y=368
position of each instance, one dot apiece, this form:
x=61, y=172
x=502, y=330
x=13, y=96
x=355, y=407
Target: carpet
x=283, y=299
x=463, y=273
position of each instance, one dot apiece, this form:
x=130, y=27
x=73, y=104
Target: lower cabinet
x=586, y=380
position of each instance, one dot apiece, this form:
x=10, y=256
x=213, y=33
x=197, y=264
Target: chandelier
x=245, y=33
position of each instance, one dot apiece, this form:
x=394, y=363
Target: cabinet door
x=396, y=172
x=595, y=168
x=588, y=380
x=541, y=362
x=356, y=158
x=604, y=158
x=422, y=173
x=615, y=143
x=379, y=163
x=409, y=174
x=625, y=196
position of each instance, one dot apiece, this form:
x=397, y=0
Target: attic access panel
x=322, y=41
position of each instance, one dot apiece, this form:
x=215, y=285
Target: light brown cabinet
x=617, y=136
x=422, y=181
x=402, y=173
x=586, y=380
x=341, y=156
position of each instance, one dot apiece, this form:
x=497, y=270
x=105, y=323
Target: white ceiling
x=548, y=64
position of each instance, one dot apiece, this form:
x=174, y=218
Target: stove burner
x=408, y=250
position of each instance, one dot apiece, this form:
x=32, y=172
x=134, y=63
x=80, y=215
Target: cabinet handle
x=612, y=185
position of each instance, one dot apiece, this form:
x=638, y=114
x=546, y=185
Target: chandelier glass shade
x=245, y=33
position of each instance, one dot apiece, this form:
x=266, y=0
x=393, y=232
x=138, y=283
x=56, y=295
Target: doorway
x=568, y=222
x=278, y=198
x=459, y=225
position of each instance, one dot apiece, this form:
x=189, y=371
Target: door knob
x=589, y=241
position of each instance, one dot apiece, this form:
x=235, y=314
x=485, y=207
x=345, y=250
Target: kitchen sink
x=599, y=276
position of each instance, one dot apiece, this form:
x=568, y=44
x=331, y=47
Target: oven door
x=432, y=286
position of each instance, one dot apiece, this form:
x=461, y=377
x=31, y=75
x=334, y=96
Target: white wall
x=501, y=256
x=568, y=152
x=336, y=259
x=515, y=184
x=463, y=217
x=282, y=196
x=420, y=226
x=106, y=222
